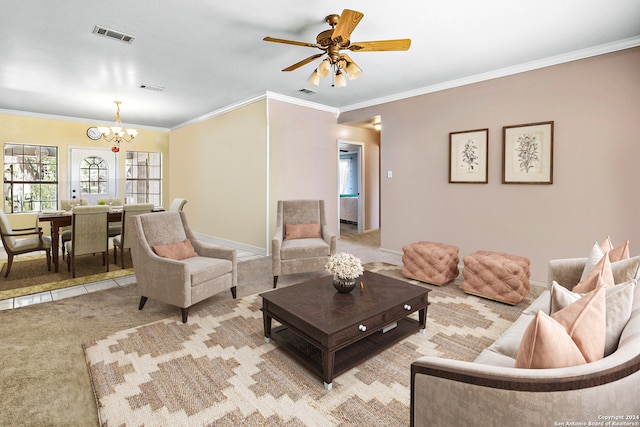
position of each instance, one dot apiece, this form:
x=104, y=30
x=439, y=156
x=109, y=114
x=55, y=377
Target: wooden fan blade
x=303, y=62
x=346, y=24
x=381, y=45
x=275, y=40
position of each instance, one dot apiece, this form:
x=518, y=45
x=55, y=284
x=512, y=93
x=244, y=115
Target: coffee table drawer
x=404, y=309
x=356, y=332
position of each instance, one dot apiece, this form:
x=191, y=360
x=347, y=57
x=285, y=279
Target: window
x=94, y=176
x=144, y=177
x=30, y=178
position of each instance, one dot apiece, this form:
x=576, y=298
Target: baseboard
x=232, y=244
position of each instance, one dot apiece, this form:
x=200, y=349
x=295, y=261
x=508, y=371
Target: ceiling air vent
x=150, y=87
x=307, y=91
x=113, y=34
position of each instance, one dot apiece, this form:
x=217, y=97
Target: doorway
x=93, y=174
x=351, y=183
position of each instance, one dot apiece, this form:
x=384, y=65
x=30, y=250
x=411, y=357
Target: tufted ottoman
x=497, y=276
x=431, y=262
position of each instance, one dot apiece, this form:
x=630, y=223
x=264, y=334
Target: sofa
x=491, y=391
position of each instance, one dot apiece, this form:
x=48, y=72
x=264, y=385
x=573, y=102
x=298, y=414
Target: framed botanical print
x=527, y=153
x=468, y=156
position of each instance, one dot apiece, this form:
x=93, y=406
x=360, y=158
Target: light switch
x=389, y=174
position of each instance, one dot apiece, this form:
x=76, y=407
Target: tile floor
x=59, y=294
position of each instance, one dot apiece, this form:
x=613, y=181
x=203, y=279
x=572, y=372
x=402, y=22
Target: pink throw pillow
x=590, y=281
x=301, y=231
x=572, y=336
x=620, y=252
x=176, y=251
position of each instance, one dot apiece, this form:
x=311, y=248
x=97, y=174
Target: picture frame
x=468, y=156
x=527, y=153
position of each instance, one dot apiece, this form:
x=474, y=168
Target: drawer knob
x=362, y=328
x=407, y=307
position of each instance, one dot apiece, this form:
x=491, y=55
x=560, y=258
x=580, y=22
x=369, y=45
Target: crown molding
x=268, y=96
x=76, y=119
x=503, y=72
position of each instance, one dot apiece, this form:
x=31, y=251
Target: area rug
x=218, y=370
x=29, y=274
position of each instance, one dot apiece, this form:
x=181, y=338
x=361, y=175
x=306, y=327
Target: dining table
x=60, y=219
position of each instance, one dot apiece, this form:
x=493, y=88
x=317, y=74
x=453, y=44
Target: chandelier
x=119, y=133
x=337, y=64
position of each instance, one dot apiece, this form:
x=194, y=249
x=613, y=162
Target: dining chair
x=177, y=205
x=89, y=234
x=65, y=232
x=22, y=241
x=123, y=240
x=302, y=241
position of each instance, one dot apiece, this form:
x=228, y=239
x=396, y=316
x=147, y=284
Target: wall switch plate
x=389, y=174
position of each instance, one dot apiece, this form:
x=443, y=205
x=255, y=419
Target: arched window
x=94, y=176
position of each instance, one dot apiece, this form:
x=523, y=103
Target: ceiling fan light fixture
x=340, y=80
x=324, y=68
x=352, y=70
x=314, y=78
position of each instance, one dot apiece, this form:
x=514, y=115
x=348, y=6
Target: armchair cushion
x=304, y=248
x=177, y=250
x=301, y=231
x=202, y=269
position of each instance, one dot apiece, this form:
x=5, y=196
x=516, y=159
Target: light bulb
x=314, y=78
x=341, y=80
x=353, y=71
x=324, y=68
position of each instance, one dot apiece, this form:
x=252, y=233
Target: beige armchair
x=302, y=241
x=182, y=276
x=123, y=239
x=89, y=234
x=22, y=241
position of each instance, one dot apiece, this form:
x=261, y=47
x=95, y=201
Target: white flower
x=344, y=266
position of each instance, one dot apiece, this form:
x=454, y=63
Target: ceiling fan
x=332, y=42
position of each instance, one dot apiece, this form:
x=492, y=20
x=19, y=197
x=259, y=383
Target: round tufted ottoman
x=431, y=262
x=496, y=275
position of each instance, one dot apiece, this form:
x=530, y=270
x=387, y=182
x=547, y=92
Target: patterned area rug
x=218, y=369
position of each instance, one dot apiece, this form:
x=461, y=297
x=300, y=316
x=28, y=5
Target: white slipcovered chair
x=89, y=234
x=123, y=239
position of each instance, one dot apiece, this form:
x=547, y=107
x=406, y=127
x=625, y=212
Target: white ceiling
x=210, y=54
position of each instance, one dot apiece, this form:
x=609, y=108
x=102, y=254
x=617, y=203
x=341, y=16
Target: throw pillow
x=589, y=282
x=586, y=322
x=606, y=244
x=625, y=270
x=176, y=251
x=301, y=231
x=572, y=336
x=546, y=344
x=620, y=252
x=619, y=301
x=595, y=255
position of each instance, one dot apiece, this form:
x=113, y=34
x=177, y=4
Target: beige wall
x=303, y=158
x=219, y=165
x=371, y=140
x=65, y=134
x=595, y=104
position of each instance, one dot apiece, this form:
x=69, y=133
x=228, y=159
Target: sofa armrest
x=566, y=272
x=451, y=392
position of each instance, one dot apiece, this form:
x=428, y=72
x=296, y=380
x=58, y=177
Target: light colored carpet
x=218, y=370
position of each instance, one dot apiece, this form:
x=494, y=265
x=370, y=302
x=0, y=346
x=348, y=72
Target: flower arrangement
x=344, y=266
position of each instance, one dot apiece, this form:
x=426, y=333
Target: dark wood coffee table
x=331, y=332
